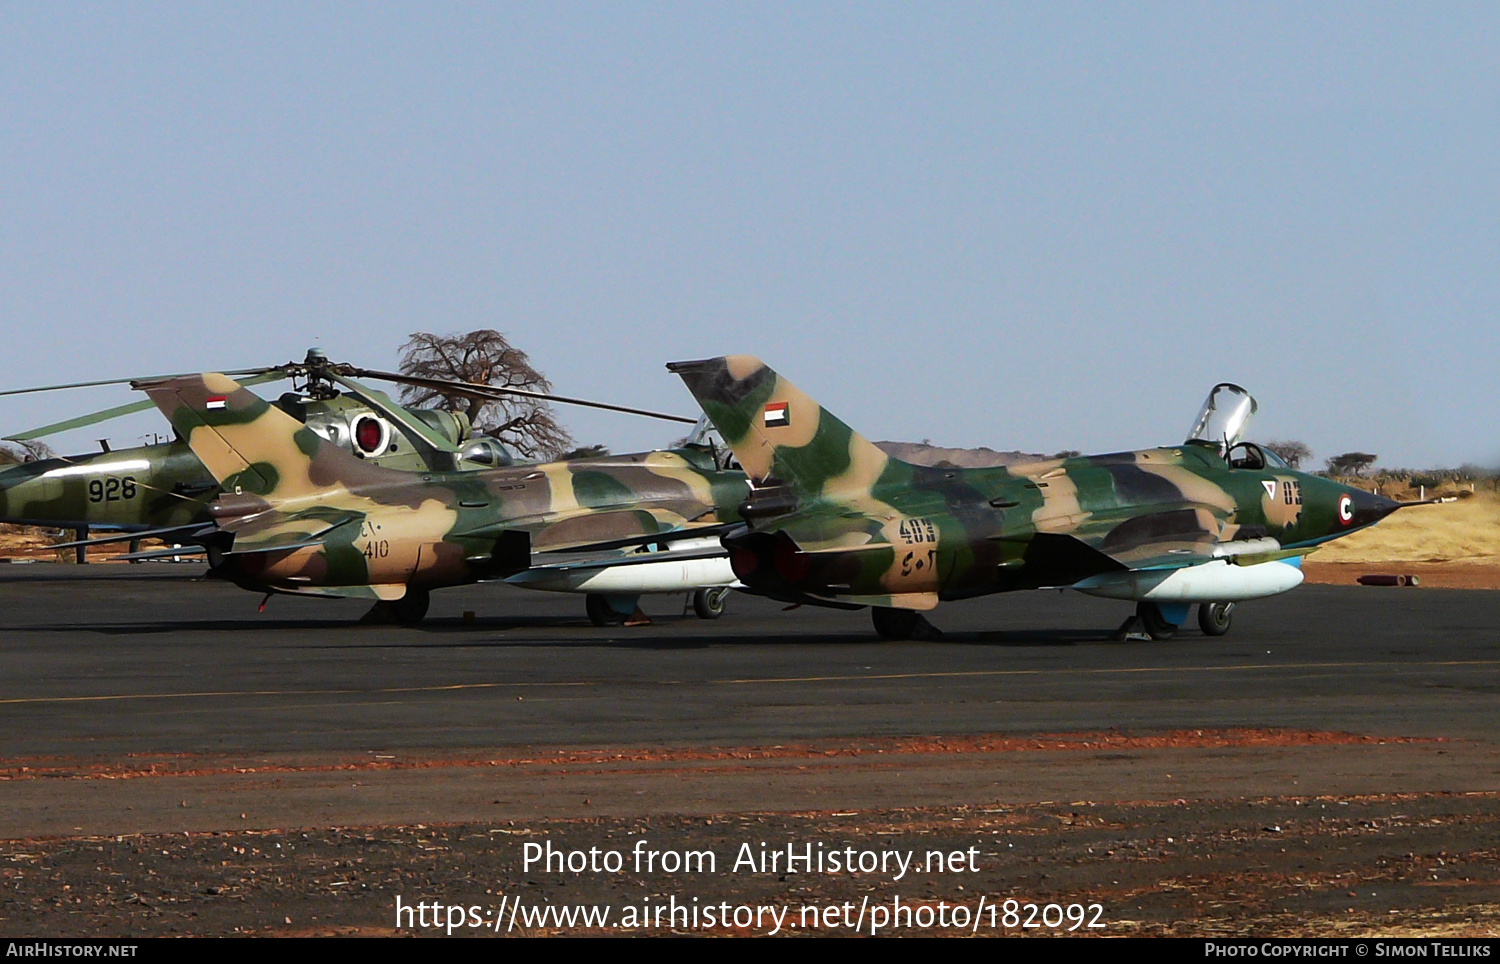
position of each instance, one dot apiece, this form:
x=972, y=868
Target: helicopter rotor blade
x=126, y=381
x=79, y=422
x=497, y=393
x=332, y=371
x=130, y=408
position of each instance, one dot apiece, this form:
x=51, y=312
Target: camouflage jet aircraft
x=164, y=491
x=301, y=514
x=833, y=520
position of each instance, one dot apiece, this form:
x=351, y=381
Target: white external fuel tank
x=625, y=576
x=1210, y=582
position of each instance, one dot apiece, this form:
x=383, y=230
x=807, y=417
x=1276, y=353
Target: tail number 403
x=917, y=530
x=914, y=533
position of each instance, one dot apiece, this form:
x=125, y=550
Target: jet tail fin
x=776, y=431
x=249, y=446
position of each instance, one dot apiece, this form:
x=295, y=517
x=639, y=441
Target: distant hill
x=920, y=453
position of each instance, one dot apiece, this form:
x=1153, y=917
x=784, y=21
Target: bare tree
x=1293, y=453
x=528, y=426
x=584, y=452
x=32, y=450
x=1350, y=463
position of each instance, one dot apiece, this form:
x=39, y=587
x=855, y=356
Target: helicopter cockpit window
x=487, y=452
x=1225, y=414
x=330, y=430
x=1246, y=455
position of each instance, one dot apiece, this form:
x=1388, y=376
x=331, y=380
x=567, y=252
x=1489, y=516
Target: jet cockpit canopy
x=1222, y=421
x=705, y=435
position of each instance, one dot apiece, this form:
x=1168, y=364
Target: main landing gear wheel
x=410, y=609
x=709, y=603
x=601, y=613
x=902, y=624
x=1214, y=618
x=1153, y=622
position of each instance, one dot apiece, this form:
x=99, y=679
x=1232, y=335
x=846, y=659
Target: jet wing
x=584, y=529
x=1122, y=540
x=171, y=552
x=277, y=531
x=1168, y=539
x=187, y=532
x=267, y=531
x=668, y=537
x=828, y=528
x=576, y=562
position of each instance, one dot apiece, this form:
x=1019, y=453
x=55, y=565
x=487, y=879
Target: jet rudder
x=244, y=441
x=777, y=431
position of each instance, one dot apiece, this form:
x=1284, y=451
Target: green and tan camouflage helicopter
x=164, y=485
x=179, y=492
x=834, y=521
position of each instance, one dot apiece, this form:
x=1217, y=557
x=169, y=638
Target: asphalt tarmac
x=108, y=660
x=174, y=761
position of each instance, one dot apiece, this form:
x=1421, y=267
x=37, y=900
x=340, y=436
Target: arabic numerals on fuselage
x=110, y=488
x=375, y=547
x=916, y=554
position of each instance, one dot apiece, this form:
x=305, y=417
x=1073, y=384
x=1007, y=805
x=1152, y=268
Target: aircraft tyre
x=410, y=609
x=894, y=623
x=709, y=603
x=902, y=624
x=1214, y=618
x=601, y=613
x=1153, y=622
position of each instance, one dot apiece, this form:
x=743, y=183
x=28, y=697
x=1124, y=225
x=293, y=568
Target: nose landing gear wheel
x=1214, y=618
x=1153, y=622
x=601, y=613
x=709, y=603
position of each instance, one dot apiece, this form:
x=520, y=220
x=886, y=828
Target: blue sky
x=1035, y=226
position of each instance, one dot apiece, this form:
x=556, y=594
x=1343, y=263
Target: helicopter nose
x=1358, y=508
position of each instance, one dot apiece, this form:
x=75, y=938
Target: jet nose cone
x=1358, y=508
